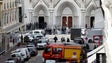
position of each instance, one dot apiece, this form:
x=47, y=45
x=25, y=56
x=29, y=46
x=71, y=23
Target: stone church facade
x=66, y=13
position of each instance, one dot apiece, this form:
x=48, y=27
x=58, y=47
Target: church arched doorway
x=41, y=22
x=66, y=22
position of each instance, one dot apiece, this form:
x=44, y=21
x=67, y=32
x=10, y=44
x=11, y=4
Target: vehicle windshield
x=56, y=50
x=35, y=40
x=47, y=49
x=39, y=41
x=30, y=32
x=30, y=46
x=30, y=35
x=42, y=41
x=30, y=49
x=36, y=32
x=38, y=36
x=15, y=55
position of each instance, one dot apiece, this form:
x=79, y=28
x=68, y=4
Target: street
x=36, y=59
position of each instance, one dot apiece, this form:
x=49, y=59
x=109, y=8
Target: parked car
x=38, y=36
x=31, y=45
x=17, y=56
x=79, y=40
x=33, y=51
x=29, y=35
x=23, y=52
x=42, y=43
x=38, y=31
x=11, y=60
x=35, y=41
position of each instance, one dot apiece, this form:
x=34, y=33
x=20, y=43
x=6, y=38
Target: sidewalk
x=6, y=55
x=59, y=36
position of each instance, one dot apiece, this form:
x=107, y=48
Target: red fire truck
x=64, y=52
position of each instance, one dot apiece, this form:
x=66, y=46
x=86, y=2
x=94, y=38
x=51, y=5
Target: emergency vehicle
x=64, y=52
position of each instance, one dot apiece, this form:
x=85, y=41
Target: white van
x=23, y=52
x=17, y=56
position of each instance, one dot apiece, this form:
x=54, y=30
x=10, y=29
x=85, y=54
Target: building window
x=13, y=4
x=20, y=14
x=7, y=6
x=10, y=16
x=13, y=15
x=4, y=6
x=2, y=19
x=5, y=19
x=10, y=4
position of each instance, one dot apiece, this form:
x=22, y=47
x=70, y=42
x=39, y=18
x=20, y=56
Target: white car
x=38, y=32
x=42, y=43
x=50, y=61
x=31, y=45
x=32, y=49
x=10, y=61
x=23, y=52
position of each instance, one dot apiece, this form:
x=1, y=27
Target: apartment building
x=11, y=22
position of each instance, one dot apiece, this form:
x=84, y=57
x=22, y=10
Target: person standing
x=68, y=40
x=55, y=39
x=63, y=39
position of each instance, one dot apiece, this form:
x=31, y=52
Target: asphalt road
x=36, y=59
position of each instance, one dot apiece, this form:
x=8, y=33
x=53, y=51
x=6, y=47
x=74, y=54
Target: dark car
x=33, y=51
x=79, y=40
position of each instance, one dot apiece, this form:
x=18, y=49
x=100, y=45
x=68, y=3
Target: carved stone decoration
x=53, y=2
x=34, y=2
x=106, y=4
x=47, y=2
x=79, y=2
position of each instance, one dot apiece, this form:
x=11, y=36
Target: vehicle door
x=57, y=52
x=47, y=52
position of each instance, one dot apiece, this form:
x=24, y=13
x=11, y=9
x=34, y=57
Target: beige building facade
x=11, y=22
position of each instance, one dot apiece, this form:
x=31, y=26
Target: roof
x=55, y=44
x=65, y=45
